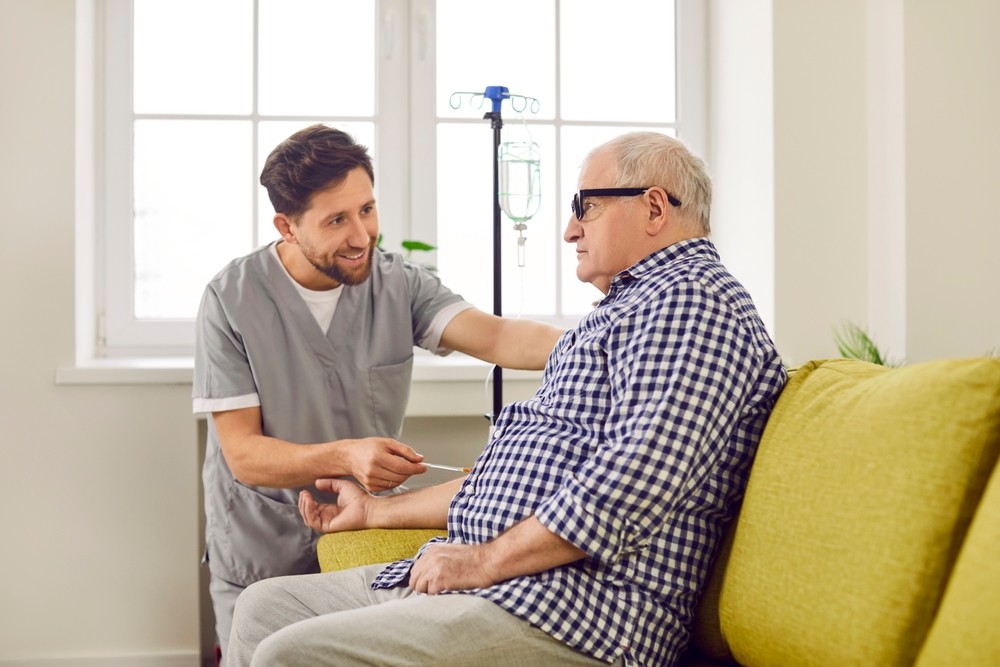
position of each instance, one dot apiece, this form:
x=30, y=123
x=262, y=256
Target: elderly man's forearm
x=423, y=508
x=526, y=548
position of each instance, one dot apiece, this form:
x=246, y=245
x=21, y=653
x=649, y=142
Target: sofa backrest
x=864, y=485
x=966, y=630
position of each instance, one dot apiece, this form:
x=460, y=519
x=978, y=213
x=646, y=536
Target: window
x=196, y=94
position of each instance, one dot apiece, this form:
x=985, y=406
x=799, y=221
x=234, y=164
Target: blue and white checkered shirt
x=635, y=448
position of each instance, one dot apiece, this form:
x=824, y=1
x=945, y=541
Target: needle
x=452, y=468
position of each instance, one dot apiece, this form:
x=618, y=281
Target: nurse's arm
x=259, y=460
x=504, y=341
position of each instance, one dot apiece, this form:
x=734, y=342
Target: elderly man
x=586, y=529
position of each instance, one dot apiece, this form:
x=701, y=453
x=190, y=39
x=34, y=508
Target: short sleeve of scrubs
x=222, y=374
x=434, y=307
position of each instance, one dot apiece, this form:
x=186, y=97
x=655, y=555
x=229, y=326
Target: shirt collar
x=699, y=247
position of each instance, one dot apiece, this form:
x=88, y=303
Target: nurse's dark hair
x=313, y=159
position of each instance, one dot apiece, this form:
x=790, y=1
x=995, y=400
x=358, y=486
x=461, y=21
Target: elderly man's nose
x=573, y=230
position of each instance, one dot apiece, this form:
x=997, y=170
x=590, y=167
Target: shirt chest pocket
x=388, y=394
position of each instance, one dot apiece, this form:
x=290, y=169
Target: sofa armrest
x=354, y=548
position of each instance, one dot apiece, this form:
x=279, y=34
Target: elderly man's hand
x=452, y=567
x=349, y=512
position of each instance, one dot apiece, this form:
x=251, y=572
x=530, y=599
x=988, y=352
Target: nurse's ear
x=285, y=227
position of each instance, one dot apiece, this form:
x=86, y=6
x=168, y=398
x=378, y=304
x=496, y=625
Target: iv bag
x=520, y=181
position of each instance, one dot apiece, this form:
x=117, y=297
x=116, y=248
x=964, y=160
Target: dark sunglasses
x=612, y=192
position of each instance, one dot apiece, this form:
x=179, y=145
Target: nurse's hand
x=380, y=464
x=349, y=512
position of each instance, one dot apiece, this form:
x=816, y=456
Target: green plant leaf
x=853, y=342
x=418, y=245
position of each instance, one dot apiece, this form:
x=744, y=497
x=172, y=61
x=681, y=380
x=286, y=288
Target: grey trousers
x=224, y=596
x=336, y=619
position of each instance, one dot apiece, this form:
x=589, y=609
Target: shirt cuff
x=209, y=405
x=432, y=339
x=601, y=534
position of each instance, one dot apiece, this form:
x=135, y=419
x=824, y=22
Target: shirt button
x=498, y=433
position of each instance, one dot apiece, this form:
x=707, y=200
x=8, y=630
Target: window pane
x=195, y=194
x=614, y=68
x=512, y=47
x=317, y=58
x=272, y=133
x=192, y=206
x=193, y=57
x=465, y=222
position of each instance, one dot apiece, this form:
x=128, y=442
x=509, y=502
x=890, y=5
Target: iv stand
x=496, y=95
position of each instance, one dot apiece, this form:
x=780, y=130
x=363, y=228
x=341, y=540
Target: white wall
x=741, y=155
x=99, y=518
x=870, y=180
x=788, y=128
x=99, y=491
x=820, y=178
x=952, y=158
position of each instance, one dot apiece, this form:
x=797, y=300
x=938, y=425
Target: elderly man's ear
x=658, y=208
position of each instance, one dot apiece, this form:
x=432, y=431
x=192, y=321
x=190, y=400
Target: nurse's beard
x=331, y=270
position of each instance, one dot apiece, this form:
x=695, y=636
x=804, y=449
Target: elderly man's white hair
x=644, y=159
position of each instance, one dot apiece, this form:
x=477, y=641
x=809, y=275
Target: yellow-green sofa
x=870, y=530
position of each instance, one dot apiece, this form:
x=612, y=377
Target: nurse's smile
x=354, y=258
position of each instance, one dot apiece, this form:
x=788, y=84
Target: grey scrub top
x=255, y=334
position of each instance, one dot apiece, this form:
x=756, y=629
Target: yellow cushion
x=863, y=487
x=966, y=630
x=354, y=548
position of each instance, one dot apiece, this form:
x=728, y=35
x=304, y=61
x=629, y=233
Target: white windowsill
x=455, y=385
x=127, y=370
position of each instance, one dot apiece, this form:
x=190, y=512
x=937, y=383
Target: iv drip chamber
x=520, y=180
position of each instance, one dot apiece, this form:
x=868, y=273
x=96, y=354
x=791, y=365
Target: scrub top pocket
x=260, y=537
x=390, y=392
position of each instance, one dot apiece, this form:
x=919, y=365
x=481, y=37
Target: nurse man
x=303, y=360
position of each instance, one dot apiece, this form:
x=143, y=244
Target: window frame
x=405, y=55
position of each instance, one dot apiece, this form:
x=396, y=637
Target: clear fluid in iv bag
x=520, y=181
